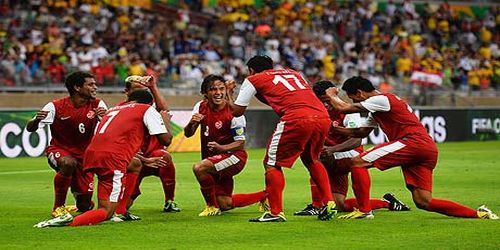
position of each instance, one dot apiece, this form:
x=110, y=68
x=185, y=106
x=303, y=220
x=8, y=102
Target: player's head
x=140, y=96
x=214, y=89
x=82, y=83
x=357, y=88
x=259, y=63
x=320, y=88
x=132, y=83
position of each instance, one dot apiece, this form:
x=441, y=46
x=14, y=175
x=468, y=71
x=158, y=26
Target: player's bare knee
x=67, y=165
x=225, y=203
x=421, y=199
x=134, y=166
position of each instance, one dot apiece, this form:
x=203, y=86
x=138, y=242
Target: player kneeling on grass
x=409, y=146
x=222, y=150
x=107, y=157
x=336, y=157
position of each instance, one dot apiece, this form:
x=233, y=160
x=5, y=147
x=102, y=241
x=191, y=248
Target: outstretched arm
x=236, y=110
x=32, y=124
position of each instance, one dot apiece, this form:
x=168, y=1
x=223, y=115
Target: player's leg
x=65, y=165
x=110, y=190
x=310, y=158
x=419, y=181
x=167, y=178
x=204, y=171
x=133, y=171
x=82, y=188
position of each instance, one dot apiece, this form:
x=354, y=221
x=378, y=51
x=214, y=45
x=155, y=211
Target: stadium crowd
x=42, y=41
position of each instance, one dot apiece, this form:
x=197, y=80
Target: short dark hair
x=320, y=87
x=140, y=96
x=355, y=83
x=260, y=63
x=76, y=78
x=208, y=81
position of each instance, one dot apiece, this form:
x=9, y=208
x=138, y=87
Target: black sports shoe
x=308, y=210
x=268, y=217
x=171, y=206
x=394, y=203
x=328, y=211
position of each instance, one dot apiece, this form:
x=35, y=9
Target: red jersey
x=286, y=91
x=345, y=121
x=71, y=128
x=151, y=143
x=218, y=126
x=395, y=117
x=123, y=129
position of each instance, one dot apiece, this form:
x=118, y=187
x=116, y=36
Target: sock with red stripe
x=167, y=178
x=275, y=184
x=361, y=186
x=320, y=177
x=130, y=182
x=317, y=200
x=451, y=208
x=61, y=186
x=243, y=200
x=207, y=189
x=91, y=217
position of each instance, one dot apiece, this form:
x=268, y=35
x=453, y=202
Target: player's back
x=73, y=128
x=288, y=94
x=121, y=131
x=400, y=121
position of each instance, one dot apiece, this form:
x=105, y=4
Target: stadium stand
x=437, y=53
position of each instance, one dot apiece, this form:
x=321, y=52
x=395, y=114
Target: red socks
x=350, y=204
x=361, y=186
x=317, y=201
x=275, y=183
x=130, y=181
x=91, y=217
x=243, y=200
x=320, y=176
x=207, y=190
x=167, y=178
x=61, y=186
x=451, y=208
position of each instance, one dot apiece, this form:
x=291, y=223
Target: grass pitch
x=468, y=173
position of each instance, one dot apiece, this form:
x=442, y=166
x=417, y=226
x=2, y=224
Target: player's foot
x=394, y=203
x=356, y=214
x=328, y=211
x=485, y=213
x=264, y=206
x=308, y=210
x=171, y=206
x=268, y=217
x=71, y=209
x=60, y=221
x=128, y=216
x=210, y=211
x=59, y=211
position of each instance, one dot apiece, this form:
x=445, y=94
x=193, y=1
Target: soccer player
x=409, y=146
x=336, y=157
x=301, y=131
x=108, y=158
x=153, y=160
x=72, y=121
x=222, y=149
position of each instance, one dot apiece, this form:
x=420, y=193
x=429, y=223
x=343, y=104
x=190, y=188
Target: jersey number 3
x=288, y=81
x=111, y=115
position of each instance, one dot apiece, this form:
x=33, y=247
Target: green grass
x=468, y=173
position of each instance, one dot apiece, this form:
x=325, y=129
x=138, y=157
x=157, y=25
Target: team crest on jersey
x=218, y=124
x=91, y=114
